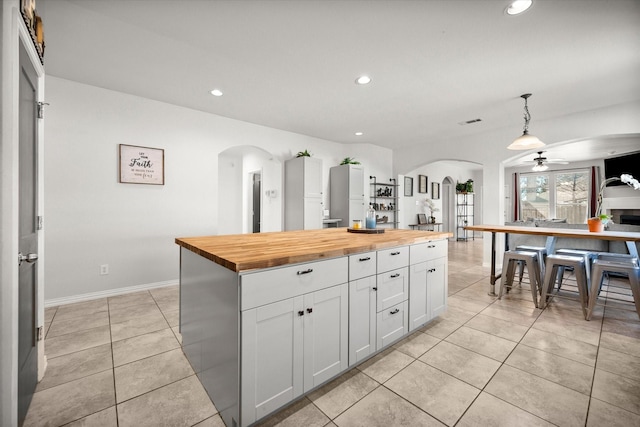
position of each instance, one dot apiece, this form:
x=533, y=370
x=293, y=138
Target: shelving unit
x=464, y=216
x=384, y=199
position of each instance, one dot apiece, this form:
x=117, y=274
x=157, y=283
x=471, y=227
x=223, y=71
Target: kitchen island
x=268, y=317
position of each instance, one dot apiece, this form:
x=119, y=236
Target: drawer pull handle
x=301, y=313
x=431, y=246
x=397, y=310
x=395, y=253
x=375, y=289
x=393, y=276
x=309, y=310
x=431, y=270
x=300, y=273
x=365, y=259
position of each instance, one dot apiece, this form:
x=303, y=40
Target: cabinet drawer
x=427, y=251
x=391, y=259
x=362, y=265
x=392, y=324
x=267, y=286
x=392, y=287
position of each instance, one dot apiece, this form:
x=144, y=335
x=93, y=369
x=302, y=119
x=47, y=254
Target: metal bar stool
x=555, y=262
x=588, y=256
x=530, y=260
x=615, y=257
x=542, y=257
x=629, y=267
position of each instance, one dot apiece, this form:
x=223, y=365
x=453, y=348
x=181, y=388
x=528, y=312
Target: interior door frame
x=14, y=32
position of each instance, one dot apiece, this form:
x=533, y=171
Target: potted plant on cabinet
x=349, y=161
x=304, y=153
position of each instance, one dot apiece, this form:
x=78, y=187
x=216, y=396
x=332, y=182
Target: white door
x=325, y=334
x=312, y=215
x=356, y=211
x=28, y=235
x=272, y=357
x=418, y=307
x=437, y=286
x=362, y=318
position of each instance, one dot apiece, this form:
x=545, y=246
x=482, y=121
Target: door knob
x=29, y=258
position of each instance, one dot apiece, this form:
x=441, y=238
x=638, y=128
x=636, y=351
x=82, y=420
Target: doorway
x=28, y=233
x=256, y=207
x=448, y=208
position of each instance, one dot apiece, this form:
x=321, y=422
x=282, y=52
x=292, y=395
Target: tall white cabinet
x=303, y=194
x=346, y=195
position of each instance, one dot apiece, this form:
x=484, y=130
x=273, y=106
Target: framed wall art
x=435, y=190
x=422, y=184
x=141, y=165
x=408, y=186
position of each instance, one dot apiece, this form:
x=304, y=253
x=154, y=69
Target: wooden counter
x=241, y=252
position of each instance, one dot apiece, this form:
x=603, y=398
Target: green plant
x=469, y=186
x=349, y=161
x=304, y=153
x=461, y=187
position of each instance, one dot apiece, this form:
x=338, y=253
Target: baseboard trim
x=109, y=293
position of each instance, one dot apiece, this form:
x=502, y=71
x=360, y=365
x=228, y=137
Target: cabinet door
x=418, y=308
x=272, y=357
x=392, y=287
x=356, y=182
x=392, y=324
x=437, y=286
x=362, y=319
x=312, y=213
x=325, y=334
x=312, y=177
x=356, y=211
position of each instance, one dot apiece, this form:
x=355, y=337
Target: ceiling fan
x=541, y=163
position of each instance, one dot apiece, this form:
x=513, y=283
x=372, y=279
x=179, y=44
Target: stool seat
x=530, y=260
x=628, y=267
x=588, y=256
x=555, y=262
x=542, y=256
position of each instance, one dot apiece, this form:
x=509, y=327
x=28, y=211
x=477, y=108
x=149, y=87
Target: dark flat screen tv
x=616, y=166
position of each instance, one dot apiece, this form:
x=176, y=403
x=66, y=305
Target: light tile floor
x=118, y=362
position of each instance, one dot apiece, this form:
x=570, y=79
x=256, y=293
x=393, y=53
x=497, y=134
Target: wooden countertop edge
x=558, y=232
x=301, y=254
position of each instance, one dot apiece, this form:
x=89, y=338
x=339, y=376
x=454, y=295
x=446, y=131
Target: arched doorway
x=448, y=204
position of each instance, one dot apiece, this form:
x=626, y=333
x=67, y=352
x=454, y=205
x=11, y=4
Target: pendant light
x=526, y=141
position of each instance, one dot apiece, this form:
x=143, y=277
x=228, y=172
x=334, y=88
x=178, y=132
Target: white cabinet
x=303, y=194
x=437, y=288
x=392, y=324
x=362, y=319
x=393, y=288
x=346, y=195
x=288, y=347
x=427, y=282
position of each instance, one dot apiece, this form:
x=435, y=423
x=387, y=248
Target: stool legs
x=534, y=274
x=600, y=268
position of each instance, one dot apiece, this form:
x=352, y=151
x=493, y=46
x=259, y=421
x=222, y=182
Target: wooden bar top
x=241, y=252
x=625, y=236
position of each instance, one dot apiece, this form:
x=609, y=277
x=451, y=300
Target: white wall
x=91, y=219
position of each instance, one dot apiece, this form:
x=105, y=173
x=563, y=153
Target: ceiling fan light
x=539, y=167
x=526, y=142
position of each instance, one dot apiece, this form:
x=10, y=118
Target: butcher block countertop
x=242, y=252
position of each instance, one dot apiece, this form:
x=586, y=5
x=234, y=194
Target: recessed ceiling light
x=216, y=92
x=363, y=80
x=359, y=134
x=518, y=6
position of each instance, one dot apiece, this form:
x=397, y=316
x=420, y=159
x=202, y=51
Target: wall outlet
x=104, y=269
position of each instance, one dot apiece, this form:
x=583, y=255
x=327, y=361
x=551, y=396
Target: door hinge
x=40, y=333
x=39, y=227
x=40, y=107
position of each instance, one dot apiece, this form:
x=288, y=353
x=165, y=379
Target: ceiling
x=292, y=65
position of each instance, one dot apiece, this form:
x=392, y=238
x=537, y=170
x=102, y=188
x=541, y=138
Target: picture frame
x=408, y=186
x=435, y=190
x=422, y=184
x=140, y=165
x=422, y=219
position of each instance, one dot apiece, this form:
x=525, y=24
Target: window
x=560, y=194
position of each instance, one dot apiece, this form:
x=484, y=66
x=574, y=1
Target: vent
x=468, y=122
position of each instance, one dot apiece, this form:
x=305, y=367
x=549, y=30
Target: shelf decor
x=422, y=184
x=408, y=186
x=141, y=165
